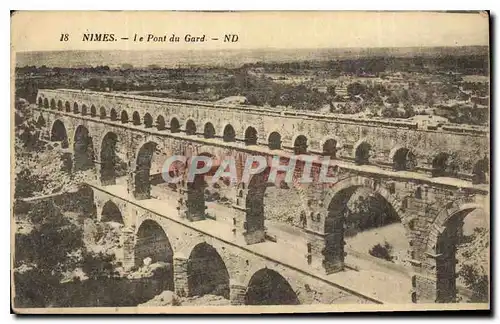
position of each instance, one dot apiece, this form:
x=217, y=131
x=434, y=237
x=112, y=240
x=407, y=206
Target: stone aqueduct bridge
x=405, y=166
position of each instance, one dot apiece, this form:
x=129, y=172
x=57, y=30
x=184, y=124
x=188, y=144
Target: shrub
x=382, y=251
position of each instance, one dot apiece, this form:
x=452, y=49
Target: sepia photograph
x=249, y=162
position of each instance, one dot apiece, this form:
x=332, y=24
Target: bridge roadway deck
x=378, y=283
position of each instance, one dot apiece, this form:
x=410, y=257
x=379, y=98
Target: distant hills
x=227, y=58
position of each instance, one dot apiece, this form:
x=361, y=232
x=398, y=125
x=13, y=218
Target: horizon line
x=254, y=48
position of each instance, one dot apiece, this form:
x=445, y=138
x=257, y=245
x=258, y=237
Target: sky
x=40, y=31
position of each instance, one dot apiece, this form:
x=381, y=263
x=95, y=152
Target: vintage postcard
x=250, y=162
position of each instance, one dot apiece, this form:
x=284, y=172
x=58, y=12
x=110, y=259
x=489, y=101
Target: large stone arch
x=207, y=272
x=254, y=207
x=268, y=287
x=152, y=242
x=332, y=222
x=143, y=159
x=108, y=159
x=451, y=210
x=58, y=133
x=83, y=149
x=111, y=213
x=441, y=247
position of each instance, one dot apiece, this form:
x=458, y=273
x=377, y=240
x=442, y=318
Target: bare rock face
x=147, y=261
x=166, y=298
x=205, y=300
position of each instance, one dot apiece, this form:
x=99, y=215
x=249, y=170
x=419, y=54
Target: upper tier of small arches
x=401, y=158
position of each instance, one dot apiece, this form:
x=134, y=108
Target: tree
x=99, y=266
x=48, y=251
x=331, y=90
x=28, y=183
x=355, y=89
x=382, y=251
x=476, y=282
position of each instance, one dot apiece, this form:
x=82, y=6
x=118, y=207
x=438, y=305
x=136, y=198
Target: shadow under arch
x=274, y=141
x=207, y=272
x=58, y=133
x=268, y=287
x=229, y=135
x=402, y=158
x=446, y=237
x=142, y=185
x=152, y=242
x=83, y=149
x=111, y=213
x=383, y=209
x=109, y=159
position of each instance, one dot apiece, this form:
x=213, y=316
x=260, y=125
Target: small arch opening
x=148, y=120
x=209, y=131
x=102, y=113
x=190, y=127
x=136, y=118
x=362, y=153
x=251, y=136
x=440, y=164
x=330, y=148
x=300, y=145
x=160, y=123
x=275, y=141
x=175, y=126
x=124, y=117
x=113, y=115
x=229, y=134
x=93, y=111
x=481, y=170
